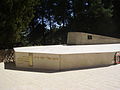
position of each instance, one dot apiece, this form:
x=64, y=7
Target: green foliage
x=116, y=15
x=90, y=17
x=15, y=16
x=93, y=16
x=27, y=21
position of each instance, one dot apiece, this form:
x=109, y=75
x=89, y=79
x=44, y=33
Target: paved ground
x=70, y=49
x=104, y=78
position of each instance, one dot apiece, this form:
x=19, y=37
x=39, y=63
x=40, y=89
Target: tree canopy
x=48, y=21
x=15, y=16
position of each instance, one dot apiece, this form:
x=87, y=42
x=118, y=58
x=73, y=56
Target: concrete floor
x=104, y=78
x=70, y=49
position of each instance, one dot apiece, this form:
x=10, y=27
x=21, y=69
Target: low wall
x=56, y=62
x=75, y=61
x=39, y=61
x=78, y=38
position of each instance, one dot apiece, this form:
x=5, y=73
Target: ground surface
x=104, y=78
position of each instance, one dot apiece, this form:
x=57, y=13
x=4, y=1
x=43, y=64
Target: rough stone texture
x=7, y=55
x=105, y=78
x=78, y=38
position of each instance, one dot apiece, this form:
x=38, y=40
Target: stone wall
x=7, y=55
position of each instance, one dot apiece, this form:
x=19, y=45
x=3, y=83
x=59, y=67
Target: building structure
x=80, y=38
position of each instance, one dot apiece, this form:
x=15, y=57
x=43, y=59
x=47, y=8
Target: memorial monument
x=86, y=50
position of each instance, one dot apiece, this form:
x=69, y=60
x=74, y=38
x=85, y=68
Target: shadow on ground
x=12, y=66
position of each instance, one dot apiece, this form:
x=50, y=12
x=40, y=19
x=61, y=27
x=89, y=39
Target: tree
x=15, y=17
x=91, y=15
x=62, y=12
x=62, y=16
x=116, y=14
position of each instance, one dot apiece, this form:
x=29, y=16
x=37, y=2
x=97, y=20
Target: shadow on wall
x=12, y=66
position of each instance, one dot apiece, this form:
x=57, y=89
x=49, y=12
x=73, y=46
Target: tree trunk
x=73, y=7
x=50, y=20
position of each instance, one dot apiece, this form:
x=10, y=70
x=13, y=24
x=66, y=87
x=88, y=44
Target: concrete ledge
x=58, y=58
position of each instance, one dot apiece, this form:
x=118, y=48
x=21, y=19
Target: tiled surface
x=104, y=78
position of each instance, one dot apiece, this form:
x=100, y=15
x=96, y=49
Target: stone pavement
x=103, y=78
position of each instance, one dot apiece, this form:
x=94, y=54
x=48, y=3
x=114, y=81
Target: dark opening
x=89, y=37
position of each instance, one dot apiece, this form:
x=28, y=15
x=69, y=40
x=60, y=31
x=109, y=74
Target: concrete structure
x=61, y=57
x=78, y=38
